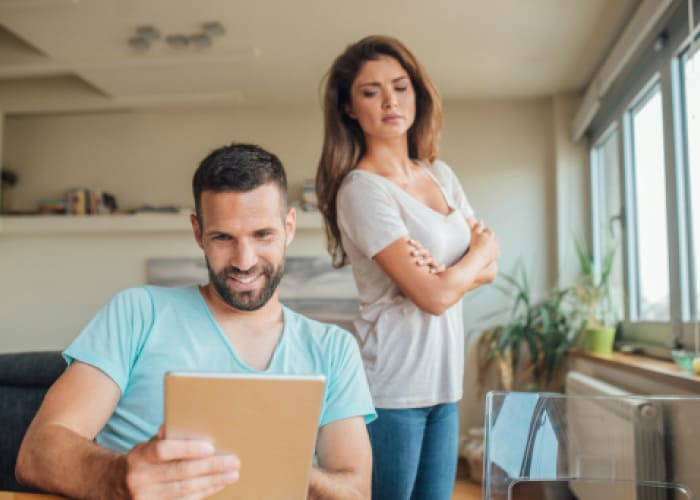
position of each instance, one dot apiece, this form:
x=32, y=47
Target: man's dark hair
x=238, y=167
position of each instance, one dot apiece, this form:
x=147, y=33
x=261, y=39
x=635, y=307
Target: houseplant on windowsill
x=595, y=300
x=546, y=328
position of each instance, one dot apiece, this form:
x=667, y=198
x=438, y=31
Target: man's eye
x=220, y=237
x=264, y=234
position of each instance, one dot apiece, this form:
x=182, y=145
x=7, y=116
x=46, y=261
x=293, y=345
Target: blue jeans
x=414, y=453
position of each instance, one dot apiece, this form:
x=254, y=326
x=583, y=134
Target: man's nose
x=244, y=257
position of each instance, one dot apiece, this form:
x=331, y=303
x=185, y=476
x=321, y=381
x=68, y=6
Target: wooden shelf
x=144, y=222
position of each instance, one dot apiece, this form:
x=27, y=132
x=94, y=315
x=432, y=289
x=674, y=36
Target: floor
x=466, y=490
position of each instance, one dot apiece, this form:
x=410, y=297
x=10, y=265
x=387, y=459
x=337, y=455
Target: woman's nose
x=389, y=100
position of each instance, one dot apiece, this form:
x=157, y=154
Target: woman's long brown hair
x=343, y=139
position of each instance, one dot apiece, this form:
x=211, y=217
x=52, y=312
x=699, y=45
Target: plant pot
x=600, y=340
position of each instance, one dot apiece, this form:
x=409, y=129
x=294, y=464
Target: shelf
x=137, y=223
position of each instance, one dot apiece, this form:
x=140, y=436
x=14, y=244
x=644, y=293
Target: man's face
x=244, y=236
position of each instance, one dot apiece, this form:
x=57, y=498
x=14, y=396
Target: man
x=97, y=433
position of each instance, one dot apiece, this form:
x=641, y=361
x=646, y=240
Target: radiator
x=613, y=439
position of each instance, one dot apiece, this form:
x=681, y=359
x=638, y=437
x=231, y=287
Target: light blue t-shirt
x=142, y=333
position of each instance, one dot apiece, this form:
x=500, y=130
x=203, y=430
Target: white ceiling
x=73, y=54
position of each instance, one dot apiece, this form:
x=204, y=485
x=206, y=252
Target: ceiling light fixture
x=214, y=28
x=139, y=43
x=176, y=41
x=148, y=32
x=200, y=40
x=146, y=35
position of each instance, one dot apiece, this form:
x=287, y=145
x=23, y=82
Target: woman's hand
x=423, y=258
x=484, y=243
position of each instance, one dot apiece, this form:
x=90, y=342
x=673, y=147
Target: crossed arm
x=58, y=453
x=431, y=286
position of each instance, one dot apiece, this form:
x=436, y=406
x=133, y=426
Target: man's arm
x=345, y=460
x=58, y=453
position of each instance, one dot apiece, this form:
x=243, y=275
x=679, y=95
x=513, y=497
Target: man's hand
x=168, y=468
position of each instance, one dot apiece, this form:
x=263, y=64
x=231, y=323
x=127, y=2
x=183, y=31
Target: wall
x=503, y=152
x=148, y=157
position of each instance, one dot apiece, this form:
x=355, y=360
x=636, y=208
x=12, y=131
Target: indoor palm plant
x=546, y=328
x=595, y=300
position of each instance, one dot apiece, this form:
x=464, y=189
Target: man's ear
x=197, y=230
x=290, y=224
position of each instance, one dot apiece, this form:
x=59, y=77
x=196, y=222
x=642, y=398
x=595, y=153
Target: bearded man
x=98, y=432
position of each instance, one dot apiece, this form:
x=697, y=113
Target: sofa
x=24, y=379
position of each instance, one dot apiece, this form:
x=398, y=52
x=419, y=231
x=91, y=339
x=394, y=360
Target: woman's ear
x=349, y=111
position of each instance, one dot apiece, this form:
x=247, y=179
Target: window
x=650, y=240
x=606, y=191
x=645, y=188
x=691, y=84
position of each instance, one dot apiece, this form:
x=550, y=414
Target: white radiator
x=613, y=438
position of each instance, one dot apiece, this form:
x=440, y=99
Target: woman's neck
x=387, y=157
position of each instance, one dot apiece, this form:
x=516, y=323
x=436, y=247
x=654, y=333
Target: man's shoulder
x=318, y=332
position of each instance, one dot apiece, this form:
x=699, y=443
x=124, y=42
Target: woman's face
x=383, y=100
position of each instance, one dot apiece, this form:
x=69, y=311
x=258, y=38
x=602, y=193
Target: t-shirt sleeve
x=113, y=338
x=347, y=391
x=454, y=188
x=369, y=216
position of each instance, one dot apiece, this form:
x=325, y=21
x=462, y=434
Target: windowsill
x=661, y=370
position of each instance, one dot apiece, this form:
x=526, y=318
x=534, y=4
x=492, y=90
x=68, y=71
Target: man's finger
x=165, y=450
x=187, y=469
x=196, y=487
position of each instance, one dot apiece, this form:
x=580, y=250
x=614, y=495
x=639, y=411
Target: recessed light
x=177, y=41
x=213, y=28
x=200, y=40
x=139, y=43
x=148, y=32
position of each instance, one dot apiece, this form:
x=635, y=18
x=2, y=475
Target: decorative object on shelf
x=684, y=360
x=595, y=301
x=9, y=180
x=309, y=199
x=83, y=201
x=56, y=207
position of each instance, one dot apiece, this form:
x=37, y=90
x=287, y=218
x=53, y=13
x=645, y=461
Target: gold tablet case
x=269, y=422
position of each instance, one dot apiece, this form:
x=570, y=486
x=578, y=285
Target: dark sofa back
x=24, y=379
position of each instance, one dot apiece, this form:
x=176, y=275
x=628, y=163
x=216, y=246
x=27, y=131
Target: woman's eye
x=369, y=93
x=401, y=89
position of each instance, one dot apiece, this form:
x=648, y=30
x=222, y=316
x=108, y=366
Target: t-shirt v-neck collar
x=450, y=205
x=278, y=347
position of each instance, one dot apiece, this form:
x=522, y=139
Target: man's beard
x=250, y=300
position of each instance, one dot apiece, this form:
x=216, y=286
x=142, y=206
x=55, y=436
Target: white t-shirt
x=412, y=358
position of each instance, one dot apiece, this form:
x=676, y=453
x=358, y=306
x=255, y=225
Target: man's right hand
x=169, y=468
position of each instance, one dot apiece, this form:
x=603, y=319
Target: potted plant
x=547, y=328
x=595, y=299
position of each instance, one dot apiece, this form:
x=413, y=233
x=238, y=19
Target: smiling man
x=97, y=433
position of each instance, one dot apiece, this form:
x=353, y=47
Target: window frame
x=662, y=64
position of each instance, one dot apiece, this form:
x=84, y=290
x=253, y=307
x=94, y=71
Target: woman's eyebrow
x=376, y=84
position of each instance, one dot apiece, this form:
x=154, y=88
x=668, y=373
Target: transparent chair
x=556, y=446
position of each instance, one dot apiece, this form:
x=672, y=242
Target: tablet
x=269, y=421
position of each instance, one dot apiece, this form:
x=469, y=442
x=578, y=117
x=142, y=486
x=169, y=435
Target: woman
x=381, y=190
